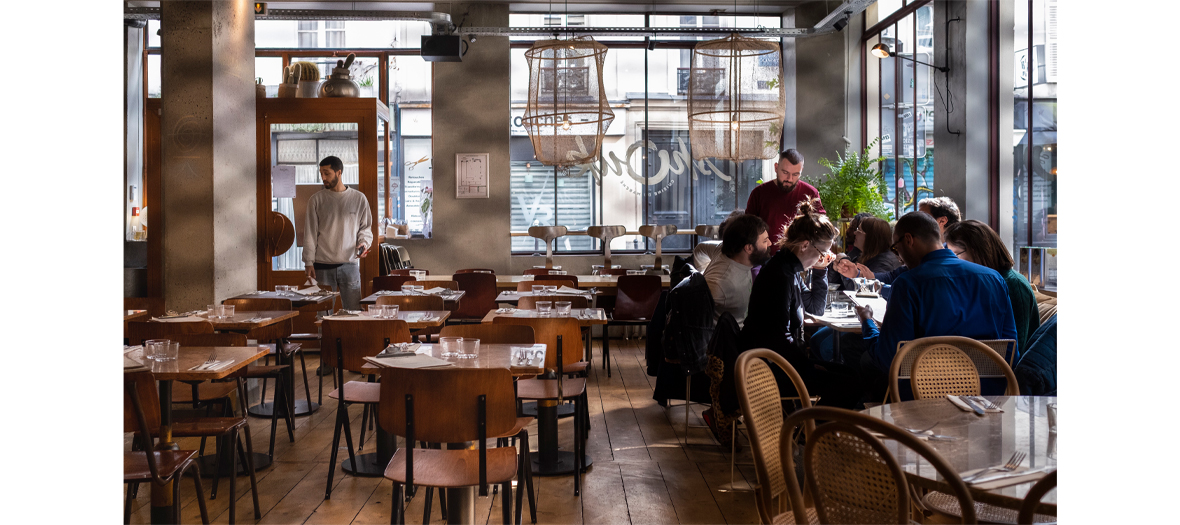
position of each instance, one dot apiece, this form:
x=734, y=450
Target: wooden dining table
x=135, y=315
x=585, y=316
x=413, y=318
x=981, y=442
x=450, y=299
x=509, y=282
x=181, y=370
x=460, y=501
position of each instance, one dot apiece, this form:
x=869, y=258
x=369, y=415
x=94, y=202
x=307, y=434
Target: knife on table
x=978, y=410
x=1012, y=474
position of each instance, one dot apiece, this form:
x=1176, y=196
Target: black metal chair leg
x=233, y=478
x=274, y=415
x=248, y=456
x=364, y=423
x=216, y=474
x=266, y=362
x=528, y=461
x=506, y=502
x=606, y=348
x=127, y=504
x=306, y=384
x=426, y=505
x=397, y=507
x=335, y=449
x=196, y=474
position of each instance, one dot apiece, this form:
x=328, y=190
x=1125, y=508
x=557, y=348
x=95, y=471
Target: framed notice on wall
x=471, y=176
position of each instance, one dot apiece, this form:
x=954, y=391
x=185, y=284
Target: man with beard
x=777, y=201
x=744, y=245
x=338, y=230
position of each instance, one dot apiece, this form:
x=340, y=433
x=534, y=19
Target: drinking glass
x=538, y=289
x=564, y=308
x=228, y=311
x=544, y=307
x=376, y=311
x=219, y=311
x=469, y=346
x=450, y=346
x=168, y=351
x=636, y=272
x=418, y=274
x=211, y=312
x=152, y=348
x=408, y=289
x=390, y=311
x=550, y=289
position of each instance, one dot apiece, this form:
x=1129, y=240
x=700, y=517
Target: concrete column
x=471, y=115
x=960, y=160
x=823, y=101
x=209, y=184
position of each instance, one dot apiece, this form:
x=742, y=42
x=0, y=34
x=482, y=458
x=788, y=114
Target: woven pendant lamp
x=567, y=112
x=736, y=99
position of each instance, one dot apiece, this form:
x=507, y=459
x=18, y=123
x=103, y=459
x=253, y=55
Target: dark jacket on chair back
x=689, y=325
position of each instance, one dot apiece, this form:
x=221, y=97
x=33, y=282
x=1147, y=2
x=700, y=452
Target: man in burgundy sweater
x=777, y=201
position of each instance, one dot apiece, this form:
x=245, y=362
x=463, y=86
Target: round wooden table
x=984, y=442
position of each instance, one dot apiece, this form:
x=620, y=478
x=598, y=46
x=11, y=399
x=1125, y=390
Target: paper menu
x=877, y=303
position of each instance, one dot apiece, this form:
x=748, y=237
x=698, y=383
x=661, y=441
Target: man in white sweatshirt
x=337, y=231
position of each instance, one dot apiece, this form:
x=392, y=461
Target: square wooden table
x=586, y=316
x=412, y=317
x=450, y=300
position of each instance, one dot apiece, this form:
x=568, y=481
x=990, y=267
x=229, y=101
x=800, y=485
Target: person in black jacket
x=779, y=298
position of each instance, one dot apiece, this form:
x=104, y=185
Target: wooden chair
x=554, y=332
x=480, y=296
x=346, y=344
x=635, y=304
x=762, y=413
x=492, y=334
x=851, y=476
x=1033, y=499
x=548, y=234
x=527, y=286
x=277, y=334
x=273, y=371
x=391, y=283
x=947, y=365
x=193, y=393
x=406, y=271
x=946, y=506
x=449, y=405
x=567, y=277
x=141, y=414
x=476, y=270
x=529, y=302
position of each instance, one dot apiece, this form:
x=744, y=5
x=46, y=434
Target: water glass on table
x=390, y=311
x=168, y=351
x=550, y=289
x=450, y=346
x=538, y=289
x=564, y=308
x=544, y=308
x=227, y=311
x=418, y=274
x=408, y=289
x=469, y=348
x=154, y=347
x=211, y=312
x=376, y=311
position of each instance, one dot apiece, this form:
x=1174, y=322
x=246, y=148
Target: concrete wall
x=209, y=185
x=822, y=99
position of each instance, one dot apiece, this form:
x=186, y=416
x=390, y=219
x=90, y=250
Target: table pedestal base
x=563, y=466
x=370, y=466
x=530, y=409
x=209, y=465
x=266, y=409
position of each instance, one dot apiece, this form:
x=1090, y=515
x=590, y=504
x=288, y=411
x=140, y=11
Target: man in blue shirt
x=939, y=295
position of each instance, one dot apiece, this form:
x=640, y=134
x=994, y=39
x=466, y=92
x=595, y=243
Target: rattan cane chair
x=141, y=414
x=346, y=343
x=945, y=365
x=851, y=476
x=762, y=412
x=1033, y=499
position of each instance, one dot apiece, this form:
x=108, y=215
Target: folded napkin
x=437, y=290
x=345, y=317
x=179, y=319
x=217, y=365
x=308, y=291
x=400, y=350
x=975, y=399
x=129, y=363
x=1006, y=479
x=567, y=290
x=414, y=361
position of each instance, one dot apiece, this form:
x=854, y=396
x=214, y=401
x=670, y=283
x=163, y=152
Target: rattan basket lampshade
x=736, y=99
x=567, y=112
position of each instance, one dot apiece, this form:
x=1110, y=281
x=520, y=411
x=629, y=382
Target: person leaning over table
x=940, y=295
x=774, y=319
x=746, y=244
x=338, y=231
x=942, y=209
x=976, y=242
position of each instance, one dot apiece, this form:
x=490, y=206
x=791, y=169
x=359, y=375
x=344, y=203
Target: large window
x=901, y=114
x=645, y=174
x=1034, y=154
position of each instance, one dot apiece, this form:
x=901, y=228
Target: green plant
x=309, y=72
x=853, y=184
x=366, y=82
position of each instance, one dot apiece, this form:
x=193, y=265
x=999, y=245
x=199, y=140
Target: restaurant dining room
x=592, y=261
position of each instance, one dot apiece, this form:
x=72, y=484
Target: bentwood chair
x=635, y=304
x=449, y=405
x=1028, y=510
x=554, y=332
x=527, y=286
x=480, y=296
x=948, y=365
x=391, y=283
x=852, y=476
x=141, y=414
x=946, y=507
x=346, y=343
x=762, y=412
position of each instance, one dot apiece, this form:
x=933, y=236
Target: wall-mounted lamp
x=882, y=51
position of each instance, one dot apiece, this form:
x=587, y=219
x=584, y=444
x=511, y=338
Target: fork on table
x=1013, y=462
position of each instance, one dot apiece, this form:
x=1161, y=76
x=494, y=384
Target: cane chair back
x=491, y=334
x=573, y=279
x=479, y=297
x=391, y=283
x=406, y=271
x=527, y=286
x=413, y=303
x=445, y=402
x=951, y=365
x=762, y=413
x=529, y=302
x=546, y=330
x=476, y=270
x=852, y=477
x=638, y=296
x=140, y=331
x=1028, y=509
x=358, y=339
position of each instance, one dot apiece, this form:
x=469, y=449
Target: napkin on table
x=967, y=408
x=568, y=290
x=1010, y=478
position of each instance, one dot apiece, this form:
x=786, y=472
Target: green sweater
x=1024, y=307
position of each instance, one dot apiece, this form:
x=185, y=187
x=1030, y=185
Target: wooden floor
x=642, y=473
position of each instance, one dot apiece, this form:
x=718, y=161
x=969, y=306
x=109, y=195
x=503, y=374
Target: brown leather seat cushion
x=453, y=468
x=135, y=465
x=547, y=388
x=359, y=392
x=183, y=392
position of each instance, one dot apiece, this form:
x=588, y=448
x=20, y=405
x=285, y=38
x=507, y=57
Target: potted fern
x=852, y=185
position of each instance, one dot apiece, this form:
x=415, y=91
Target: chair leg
x=340, y=413
x=506, y=502
x=397, y=506
x=127, y=505
x=606, y=348
x=320, y=394
x=196, y=474
x=233, y=477
x=274, y=414
x=248, y=456
x=348, y=441
x=266, y=362
x=364, y=423
x=306, y=385
x=289, y=416
x=216, y=474
x=426, y=505
x=577, y=449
